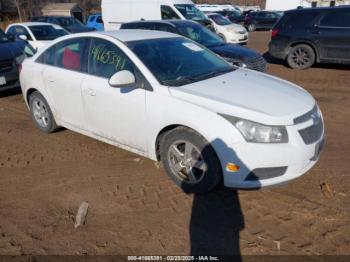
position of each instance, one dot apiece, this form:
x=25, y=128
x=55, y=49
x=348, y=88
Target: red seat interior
x=71, y=60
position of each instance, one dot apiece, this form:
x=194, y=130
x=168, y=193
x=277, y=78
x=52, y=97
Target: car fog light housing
x=258, y=133
x=230, y=167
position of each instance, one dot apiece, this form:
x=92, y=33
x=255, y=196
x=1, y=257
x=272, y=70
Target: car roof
x=172, y=22
x=126, y=35
x=313, y=9
x=31, y=24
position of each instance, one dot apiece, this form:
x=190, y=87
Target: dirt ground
x=136, y=209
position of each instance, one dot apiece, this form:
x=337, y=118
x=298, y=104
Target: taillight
x=274, y=33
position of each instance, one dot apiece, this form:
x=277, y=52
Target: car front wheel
x=301, y=57
x=190, y=161
x=41, y=113
x=251, y=28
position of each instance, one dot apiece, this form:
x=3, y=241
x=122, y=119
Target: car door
x=333, y=35
x=64, y=78
x=115, y=114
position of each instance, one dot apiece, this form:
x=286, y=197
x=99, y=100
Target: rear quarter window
x=297, y=20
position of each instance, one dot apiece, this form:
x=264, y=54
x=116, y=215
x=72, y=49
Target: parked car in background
x=115, y=13
x=234, y=16
x=36, y=33
x=229, y=32
x=71, y=24
x=95, y=21
x=206, y=120
x=307, y=36
x=260, y=20
x=12, y=54
x=235, y=54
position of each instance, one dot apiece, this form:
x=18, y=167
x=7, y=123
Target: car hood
x=250, y=95
x=235, y=51
x=9, y=50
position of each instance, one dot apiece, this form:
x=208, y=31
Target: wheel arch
x=304, y=42
x=29, y=92
x=161, y=133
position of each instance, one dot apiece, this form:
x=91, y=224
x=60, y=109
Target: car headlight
x=236, y=62
x=259, y=133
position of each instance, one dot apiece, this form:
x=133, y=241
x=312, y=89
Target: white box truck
x=117, y=12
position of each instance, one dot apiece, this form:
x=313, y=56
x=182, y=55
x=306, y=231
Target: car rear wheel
x=190, y=161
x=251, y=28
x=301, y=57
x=41, y=113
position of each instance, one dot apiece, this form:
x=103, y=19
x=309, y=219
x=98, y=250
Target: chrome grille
x=6, y=66
x=313, y=133
x=257, y=63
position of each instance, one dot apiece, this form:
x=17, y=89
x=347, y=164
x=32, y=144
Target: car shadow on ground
x=275, y=61
x=217, y=219
x=10, y=92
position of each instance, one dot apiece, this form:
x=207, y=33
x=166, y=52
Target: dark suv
x=235, y=54
x=12, y=54
x=71, y=24
x=261, y=20
x=305, y=36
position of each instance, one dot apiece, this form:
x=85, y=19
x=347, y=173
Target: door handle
x=91, y=92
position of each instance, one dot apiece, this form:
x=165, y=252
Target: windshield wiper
x=211, y=74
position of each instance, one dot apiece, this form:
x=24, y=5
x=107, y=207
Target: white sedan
x=228, y=31
x=37, y=34
x=167, y=98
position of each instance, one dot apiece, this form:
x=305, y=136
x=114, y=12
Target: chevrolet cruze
x=170, y=99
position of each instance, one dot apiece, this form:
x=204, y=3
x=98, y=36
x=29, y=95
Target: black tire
x=37, y=100
x=208, y=179
x=251, y=27
x=301, y=57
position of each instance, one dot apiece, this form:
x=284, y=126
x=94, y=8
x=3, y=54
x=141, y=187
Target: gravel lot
x=136, y=209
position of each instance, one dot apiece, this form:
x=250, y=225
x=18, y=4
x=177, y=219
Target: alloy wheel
x=186, y=162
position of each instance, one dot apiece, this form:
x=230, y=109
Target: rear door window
x=70, y=54
x=300, y=20
x=339, y=18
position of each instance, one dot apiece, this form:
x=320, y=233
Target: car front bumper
x=237, y=38
x=12, y=80
x=264, y=165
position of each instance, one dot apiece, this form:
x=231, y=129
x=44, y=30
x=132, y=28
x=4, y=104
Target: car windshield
x=190, y=12
x=3, y=37
x=200, y=34
x=220, y=20
x=69, y=21
x=178, y=61
x=47, y=32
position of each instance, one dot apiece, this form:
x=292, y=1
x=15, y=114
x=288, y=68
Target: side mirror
x=23, y=37
x=122, y=79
